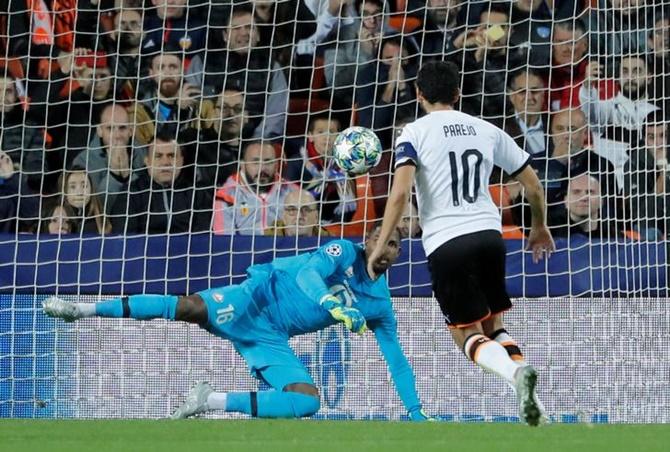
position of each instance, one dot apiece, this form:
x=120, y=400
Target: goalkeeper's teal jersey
x=297, y=285
x=293, y=287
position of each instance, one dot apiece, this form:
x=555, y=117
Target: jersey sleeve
x=386, y=333
x=405, y=150
x=508, y=155
x=334, y=256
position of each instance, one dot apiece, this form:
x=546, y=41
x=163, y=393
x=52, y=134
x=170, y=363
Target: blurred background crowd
x=178, y=116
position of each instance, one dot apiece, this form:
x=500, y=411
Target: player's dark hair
x=438, y=82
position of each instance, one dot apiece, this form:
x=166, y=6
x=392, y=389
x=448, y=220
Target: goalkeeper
x=285, y=298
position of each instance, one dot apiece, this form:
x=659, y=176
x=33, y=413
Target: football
x=357, y=150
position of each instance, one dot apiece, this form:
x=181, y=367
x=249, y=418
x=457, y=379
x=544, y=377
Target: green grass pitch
x=342, y=436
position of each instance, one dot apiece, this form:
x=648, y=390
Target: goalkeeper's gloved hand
x=351, y=317
x=418, y=415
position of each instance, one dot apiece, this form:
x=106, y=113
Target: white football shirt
x=454, y=154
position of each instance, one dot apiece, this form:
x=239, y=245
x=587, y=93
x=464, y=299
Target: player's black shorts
x=468, y=274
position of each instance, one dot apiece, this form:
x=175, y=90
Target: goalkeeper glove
x=418, y=415
x=351, y=317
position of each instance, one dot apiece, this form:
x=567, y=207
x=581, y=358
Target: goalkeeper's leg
x=141, y=307
x=294, y=396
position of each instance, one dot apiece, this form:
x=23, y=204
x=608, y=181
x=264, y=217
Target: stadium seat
x=500, y=195
x=365, y=212
x=404, y=23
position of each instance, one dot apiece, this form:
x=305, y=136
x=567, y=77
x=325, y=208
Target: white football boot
x=55, y=307
x=196, y=401
x=524, y=385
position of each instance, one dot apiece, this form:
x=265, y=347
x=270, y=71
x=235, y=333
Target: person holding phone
x=171, y=101
x=483, y=54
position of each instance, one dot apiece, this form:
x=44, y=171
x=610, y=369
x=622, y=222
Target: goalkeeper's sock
x=503, y=338
x=490, y=355
x=272, y=404
x=141, y=307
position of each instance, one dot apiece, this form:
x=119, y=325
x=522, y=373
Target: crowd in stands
x=177, y=116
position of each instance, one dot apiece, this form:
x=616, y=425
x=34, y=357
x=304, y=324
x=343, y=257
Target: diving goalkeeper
x=285, y=298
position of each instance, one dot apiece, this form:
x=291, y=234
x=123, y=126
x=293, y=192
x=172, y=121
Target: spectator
x=583, y=211
x=21, y=139
x=243, y=63
x=618, y=27
x=622, y=116
x=567, y=63
x=531, y=25
x=169, y=25
x=320, y=175
x=125, y=51
x=18, y=204
x=162, y=200
x=385, y=87
x=57, y=218
x=170, y=102
x=484, y=54
x=357, y=45
x=330, y=14
x=527, y=94
x=300, y=217
x=443, y=20
x=658, y=45
x=646, y=175
x=111, y=160
x=71, y=102
x=81, y=195
x=409, y=225
x=216, y=151
x=569, y=156
x=253, y=199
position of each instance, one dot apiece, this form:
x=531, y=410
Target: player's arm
x=403, y=180
x=339, y=254
x=510, y=157
x=386, y=333
x=539, y=239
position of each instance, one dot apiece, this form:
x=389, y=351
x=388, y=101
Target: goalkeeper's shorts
x=233, y=314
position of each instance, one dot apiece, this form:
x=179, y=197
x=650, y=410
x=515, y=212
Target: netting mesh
x=123, y=368
x=176, y=117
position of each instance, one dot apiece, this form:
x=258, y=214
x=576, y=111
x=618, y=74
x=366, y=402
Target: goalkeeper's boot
x=524, y=385
x=195, y=403
x=55, y=307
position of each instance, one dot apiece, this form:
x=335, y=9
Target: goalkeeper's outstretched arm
x=386, y=333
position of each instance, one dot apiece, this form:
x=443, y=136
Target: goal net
x=162, y=146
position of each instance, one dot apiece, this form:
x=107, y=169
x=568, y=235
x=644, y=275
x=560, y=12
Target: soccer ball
x=357, y=150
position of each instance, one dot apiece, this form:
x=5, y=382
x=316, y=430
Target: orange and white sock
x=503, y=338
x=490, y=355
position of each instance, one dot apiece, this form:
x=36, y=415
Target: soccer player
x=285, y=298
x=451, y=154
